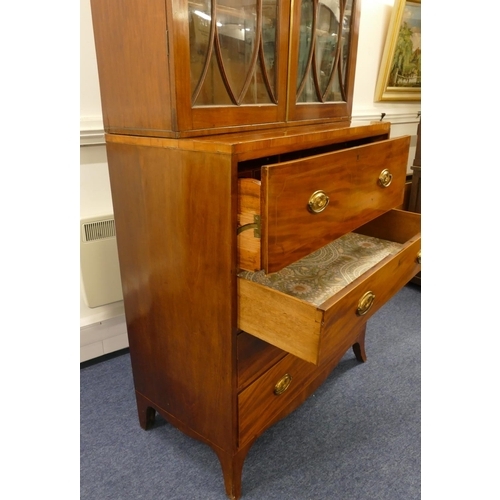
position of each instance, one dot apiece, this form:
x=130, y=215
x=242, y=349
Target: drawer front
x=316, y=333
x=357, y=303
x=309, y=202
x=263, y=400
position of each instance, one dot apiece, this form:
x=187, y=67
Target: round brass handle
x=385, y=178
x=318, y=202
x=419, y=257
x=365, y=303
x=283, y=384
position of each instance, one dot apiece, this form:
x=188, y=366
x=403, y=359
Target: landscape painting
x=400, y=74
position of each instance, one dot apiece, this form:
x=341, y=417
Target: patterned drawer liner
x=326, y=271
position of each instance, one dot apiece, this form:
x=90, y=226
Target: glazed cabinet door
x=324, y=41
x=248, y=56
x=236, y=53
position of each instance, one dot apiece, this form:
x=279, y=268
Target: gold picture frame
x=399, y=77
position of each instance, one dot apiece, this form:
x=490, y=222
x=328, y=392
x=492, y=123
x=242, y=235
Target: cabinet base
x=232, y=463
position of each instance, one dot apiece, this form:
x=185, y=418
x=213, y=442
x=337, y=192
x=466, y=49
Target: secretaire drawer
x=301, y=205
x=308, y=307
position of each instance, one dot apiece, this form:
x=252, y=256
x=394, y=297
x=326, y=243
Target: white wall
x=90, y=101
x=95, y=194
x=102, y=329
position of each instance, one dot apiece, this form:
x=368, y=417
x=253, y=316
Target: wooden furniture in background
x=414, y=204
x=415, y=194
x=217, y=353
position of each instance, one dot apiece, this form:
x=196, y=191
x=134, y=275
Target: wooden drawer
x=263, y=400
x=345, y=187
x=254, y=358
x=339, y=295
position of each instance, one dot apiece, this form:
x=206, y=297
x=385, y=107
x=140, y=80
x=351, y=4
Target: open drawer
x=301, y=205
x=308, y=307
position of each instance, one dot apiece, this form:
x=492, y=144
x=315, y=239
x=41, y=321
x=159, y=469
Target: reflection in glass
x=305, y=85
x=323, y=50
x=232, y=59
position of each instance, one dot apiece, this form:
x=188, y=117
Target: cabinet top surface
x=246, y=143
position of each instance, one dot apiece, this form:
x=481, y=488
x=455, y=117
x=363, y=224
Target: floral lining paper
x=326, y=271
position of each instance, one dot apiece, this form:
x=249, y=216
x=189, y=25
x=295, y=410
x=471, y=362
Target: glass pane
x=257, y=92
x=269, y=21
x=308, y=93
x=326, y=41
x=199, y=14
x=305, y=45
x=346, y=39
x=213, y=90
x=324, y=79
x=236, y=29
x=246, y=46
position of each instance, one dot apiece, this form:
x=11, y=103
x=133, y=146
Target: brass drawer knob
x=283, y=384
x=318, y=202
x=385, y=178
x=419, y=257
x=365, y=303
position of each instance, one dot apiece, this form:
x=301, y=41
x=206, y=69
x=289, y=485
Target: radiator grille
x=99, y=230
x=99, y=265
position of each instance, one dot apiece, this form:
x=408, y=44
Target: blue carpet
x=356, y=438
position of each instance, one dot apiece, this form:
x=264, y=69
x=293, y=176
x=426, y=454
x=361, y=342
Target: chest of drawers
x=250, y=264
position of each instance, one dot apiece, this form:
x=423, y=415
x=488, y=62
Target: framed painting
x=399, y=77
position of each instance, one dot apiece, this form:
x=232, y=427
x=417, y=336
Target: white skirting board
x=103, y=337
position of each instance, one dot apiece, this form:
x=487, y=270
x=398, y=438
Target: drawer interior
x=323, y=273
x=298, y=307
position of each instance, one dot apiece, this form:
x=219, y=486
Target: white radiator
x=100, y=272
